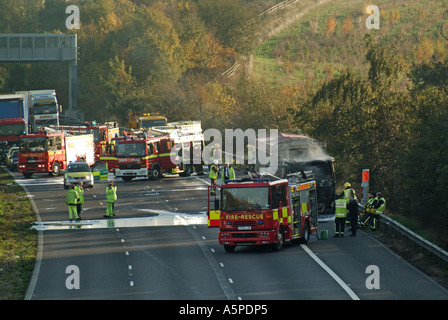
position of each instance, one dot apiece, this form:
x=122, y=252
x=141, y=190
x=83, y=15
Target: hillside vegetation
x=329, y=38
x=377, y=98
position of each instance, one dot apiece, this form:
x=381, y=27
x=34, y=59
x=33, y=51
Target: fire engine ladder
x=182, y=131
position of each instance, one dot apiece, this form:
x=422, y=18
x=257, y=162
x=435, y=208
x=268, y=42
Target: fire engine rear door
x=213, y=206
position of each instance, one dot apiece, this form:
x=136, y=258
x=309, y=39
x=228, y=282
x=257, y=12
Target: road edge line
x=40, y=241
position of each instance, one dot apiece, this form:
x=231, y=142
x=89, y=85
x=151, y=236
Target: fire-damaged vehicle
x=323, y=170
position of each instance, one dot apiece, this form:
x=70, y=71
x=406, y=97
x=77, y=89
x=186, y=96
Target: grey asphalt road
x=159, y=247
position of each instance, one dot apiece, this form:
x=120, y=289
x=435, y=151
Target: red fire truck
x=52, y=152
x=264, y=211
x=152, y=154
x=102, y=136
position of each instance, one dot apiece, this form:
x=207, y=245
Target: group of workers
x=347, y=211
x=75, y=195
x=75, y=199
x=227, y=173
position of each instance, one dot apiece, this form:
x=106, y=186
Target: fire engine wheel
x=155, y=173
x=306, y=233
x=281, y=240
x=229, y=248
x=56, y=169
x=187, y=171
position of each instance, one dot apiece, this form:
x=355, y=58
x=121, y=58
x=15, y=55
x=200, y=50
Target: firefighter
x=353, y=214
x=378, y=207
x=368, y=211
x=250, y=161
x=111, y=196
x=340, y=216
x=227, y=173
x=213, y=175
x=80, y=190
x=71, y=199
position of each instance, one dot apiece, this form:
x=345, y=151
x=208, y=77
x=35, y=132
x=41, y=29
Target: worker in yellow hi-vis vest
x=71, y=199
x=111, y=196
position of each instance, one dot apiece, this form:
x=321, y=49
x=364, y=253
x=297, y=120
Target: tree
x=331, y=26
x=155, y=50
x=424, y=167
x=231, y=22
x=363, y=121
x=347, y=25
x=386, y=64
x=120, y=86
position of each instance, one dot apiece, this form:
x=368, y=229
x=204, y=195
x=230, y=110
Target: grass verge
x=18, y=243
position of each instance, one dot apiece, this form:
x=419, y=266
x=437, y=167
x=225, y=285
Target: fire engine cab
x=264, y=211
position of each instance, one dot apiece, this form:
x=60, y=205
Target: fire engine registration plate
x=245, y=228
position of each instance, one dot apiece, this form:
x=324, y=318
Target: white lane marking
x=331, y=273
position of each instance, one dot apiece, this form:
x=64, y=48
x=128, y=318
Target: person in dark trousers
x=353, y=214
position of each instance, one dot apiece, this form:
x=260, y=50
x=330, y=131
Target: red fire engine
x=153, y=154
x=52, y=152
x=102, y=136
x=264, y=211
x=148, y=157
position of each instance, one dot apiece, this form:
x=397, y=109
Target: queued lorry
x=43, y=107
x=25, y=111
x=14, y=118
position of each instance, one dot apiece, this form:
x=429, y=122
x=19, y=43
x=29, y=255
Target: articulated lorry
x=43, y=108
x=14, y=117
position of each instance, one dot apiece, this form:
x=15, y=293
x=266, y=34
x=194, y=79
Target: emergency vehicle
x=102, y=136
x=264, y=211
x=139, y=120
x=51, y=152
x=160, y=149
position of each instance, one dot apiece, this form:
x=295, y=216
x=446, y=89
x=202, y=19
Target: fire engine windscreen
x=137, y=149
x=32, y=144
x=244, y=199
